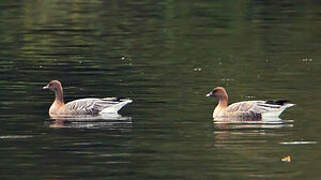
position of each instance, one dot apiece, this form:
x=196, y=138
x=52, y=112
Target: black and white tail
x=273, y=109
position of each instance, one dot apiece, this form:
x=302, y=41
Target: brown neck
x=222, y=102
x=59, y=96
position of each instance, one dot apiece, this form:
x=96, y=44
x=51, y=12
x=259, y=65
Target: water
x=165, y=56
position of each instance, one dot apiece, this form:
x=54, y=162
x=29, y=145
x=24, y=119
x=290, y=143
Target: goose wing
x=253, y=106
x=90, y=105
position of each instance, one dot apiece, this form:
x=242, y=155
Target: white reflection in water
x=230, y=133
x=266, y=124
x=15, y=136
x=251, y=145
x=108, y=121
x=298, y=142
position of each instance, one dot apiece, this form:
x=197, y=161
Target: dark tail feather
x=278, y=102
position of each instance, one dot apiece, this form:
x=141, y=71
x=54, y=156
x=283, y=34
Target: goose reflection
x=223, y=124
x=251, y=146
x=103, y=121
x=227, y=133
x=240, y=135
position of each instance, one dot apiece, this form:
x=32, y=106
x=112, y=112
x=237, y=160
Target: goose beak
x=210, y=94
x=45, y=87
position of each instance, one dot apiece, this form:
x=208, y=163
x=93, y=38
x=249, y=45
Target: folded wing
x=258, y=109
x=96, y=105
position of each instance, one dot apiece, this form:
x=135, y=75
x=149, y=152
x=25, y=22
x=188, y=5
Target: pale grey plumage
x=86, y=106
x=91, y=105
x=255, y=109
x=246, y=110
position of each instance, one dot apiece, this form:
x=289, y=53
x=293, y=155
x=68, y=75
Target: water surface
x=166, y=56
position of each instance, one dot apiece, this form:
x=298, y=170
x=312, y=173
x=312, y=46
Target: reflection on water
x=165, y=55
x=253, y=148
x=15, y=136
x=100, y=117
x=268, y=124
x=244, y=132
x=257, y=150
x=111, y=125
x=298, y=142
x=103, y=121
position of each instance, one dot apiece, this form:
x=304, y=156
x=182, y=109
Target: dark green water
x=165, y=55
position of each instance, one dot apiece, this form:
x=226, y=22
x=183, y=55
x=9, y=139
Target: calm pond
x=165, y=55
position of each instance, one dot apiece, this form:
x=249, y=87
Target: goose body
x=246, y=110
x=86, y=106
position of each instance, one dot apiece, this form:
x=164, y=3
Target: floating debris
x=126, y=58
x=286, y=159
x=197, y=69
x=306, y=60
x=227, y=79
x=250, y=97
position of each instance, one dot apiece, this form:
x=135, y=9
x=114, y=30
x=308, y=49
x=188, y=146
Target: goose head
x=53, y=85
x=218, y=92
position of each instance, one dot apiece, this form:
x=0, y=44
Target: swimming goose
x=86, y=106
x=246, y=110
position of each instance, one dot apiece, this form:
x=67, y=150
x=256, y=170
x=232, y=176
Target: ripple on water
x=91, y=122
x=298, y=142
x=16, y=136
x=269, y=124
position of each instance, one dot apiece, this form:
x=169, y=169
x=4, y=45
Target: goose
x=85, y=106
x=246, y=110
